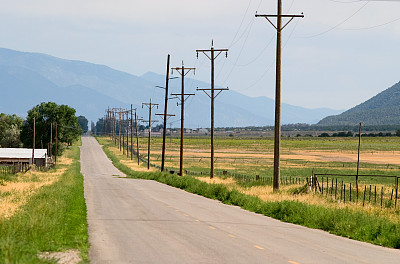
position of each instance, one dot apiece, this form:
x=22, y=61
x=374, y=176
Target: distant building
x=203, y=130
x=23, y=155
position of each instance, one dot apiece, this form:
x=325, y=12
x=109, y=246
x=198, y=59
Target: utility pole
x=150, y=106
x=358, y=157
x=183, y=72
x=114, y=132
x=123, y=132
x=137, y=137
x=34, y=141
x=164, y=116
x=55, y=158
x=165, y=113
x=212, y=96
x=51, y=140
x=132, y=131
x=119, y=128
x=277, y=140
x=127, y=133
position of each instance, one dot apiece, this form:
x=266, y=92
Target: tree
x=10, y=127
x=398, y=132
x=98, y=129
x=49, y=115
x=83, y=122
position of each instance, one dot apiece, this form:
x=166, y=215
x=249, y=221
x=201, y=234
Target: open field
x=299, y=156
x=370, y=222
x=43, y=214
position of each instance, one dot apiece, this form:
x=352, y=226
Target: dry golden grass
x=14, y=194
x=132, y=164
x=266, y=193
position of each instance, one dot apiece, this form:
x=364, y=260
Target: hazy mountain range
x=27, y=79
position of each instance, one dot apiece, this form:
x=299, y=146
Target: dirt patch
x=375, y=157
x=68, y=257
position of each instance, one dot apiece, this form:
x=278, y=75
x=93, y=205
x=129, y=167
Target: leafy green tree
x=83, y=122
x=10, y=126
x=99, y=127
x=51, y=118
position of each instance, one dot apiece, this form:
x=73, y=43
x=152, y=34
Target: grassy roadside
x=358, y=225
x=53, y=219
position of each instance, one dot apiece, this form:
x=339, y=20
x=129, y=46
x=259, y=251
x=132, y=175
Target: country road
x=140, y=221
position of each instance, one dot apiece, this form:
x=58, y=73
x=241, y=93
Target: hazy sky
x=342, y=53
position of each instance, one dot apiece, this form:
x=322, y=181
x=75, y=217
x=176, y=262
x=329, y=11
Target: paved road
x=139, y=221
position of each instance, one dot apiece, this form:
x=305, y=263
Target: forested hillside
x=382, y=109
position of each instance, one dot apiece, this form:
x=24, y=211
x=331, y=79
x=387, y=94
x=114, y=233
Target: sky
x=340, y=54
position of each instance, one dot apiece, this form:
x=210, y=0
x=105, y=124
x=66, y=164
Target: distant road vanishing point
x=141, y=221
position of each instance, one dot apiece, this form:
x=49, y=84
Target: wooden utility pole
x=358, y=157
x=165, y=115
x=137, y=137
x=123, y=132
x=212, y=95
x=34, y=141
x=183, y=72
x=114, y=126
x=277, y=140
x=119, y=128
x=51, y=140
x=150, y=106
x=127, y=133
x=132, y=131
x=55, y=158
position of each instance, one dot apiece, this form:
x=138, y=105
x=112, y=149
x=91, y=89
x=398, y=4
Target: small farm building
x=23, y=155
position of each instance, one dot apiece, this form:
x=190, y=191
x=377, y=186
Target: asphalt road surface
x=141, y=221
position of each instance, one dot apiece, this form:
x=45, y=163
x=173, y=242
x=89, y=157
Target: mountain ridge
x=381, y=109
x=92, y=88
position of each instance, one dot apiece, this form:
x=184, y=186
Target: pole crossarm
x=215, y=89
x=205, y=52
x=183, y=73
x=168, y=116
x=280, y=16
x=147, y=121
x=185, y=98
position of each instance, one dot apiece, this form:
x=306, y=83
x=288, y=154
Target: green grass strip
x=344, y=222
x=54, y=219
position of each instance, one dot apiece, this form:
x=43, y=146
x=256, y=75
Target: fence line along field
x=250, y=162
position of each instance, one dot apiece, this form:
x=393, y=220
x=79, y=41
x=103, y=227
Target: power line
x=371, y=27
x=337, y=25
x=272, y=62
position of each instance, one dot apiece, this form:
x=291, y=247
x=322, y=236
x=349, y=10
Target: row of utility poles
x=111, y=122
x=212, y=54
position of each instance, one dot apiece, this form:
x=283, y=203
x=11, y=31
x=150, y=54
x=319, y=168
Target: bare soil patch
x=68, y=257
